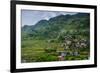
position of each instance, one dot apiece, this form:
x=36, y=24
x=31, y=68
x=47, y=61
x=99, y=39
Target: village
x=71, y=46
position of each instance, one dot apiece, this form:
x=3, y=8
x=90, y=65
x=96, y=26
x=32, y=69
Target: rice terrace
x=54, y=36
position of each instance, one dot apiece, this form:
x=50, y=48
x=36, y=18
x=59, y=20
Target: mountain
x=58, y=26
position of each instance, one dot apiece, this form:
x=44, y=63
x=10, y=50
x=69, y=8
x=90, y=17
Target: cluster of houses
x=71, y=45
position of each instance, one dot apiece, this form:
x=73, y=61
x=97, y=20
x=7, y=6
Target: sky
x=31, y=17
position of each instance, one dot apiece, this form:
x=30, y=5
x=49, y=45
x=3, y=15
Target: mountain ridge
x=57, y=24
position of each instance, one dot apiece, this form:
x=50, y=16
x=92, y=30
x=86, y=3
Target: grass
x=34, y=51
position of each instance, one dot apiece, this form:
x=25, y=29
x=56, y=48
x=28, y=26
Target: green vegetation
x=49, y=39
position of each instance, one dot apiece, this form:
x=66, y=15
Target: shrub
x=50, y=50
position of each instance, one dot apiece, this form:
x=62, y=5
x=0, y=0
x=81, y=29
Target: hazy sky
x=31, y=17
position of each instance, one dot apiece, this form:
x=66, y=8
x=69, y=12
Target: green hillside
x=47, y=39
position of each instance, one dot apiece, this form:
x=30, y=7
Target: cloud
x=31, y=17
